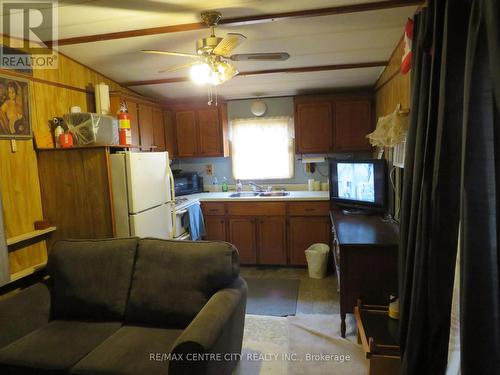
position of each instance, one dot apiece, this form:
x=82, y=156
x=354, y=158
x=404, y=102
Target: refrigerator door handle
x=172, y=196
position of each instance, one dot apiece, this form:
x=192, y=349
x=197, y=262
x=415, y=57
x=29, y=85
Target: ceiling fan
x=213, y=55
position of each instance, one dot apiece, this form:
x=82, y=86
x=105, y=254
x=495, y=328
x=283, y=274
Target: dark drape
x=444, y=50
x=480, y=291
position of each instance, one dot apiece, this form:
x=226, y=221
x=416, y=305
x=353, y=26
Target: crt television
x=359, y=184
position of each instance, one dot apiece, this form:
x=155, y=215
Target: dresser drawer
x=213, y=208
x=309, y=208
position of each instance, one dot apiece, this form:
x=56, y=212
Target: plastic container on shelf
x=91, y=128
x=317, y=260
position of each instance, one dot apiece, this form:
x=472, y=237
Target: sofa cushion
x=91, y=278
x=131, y=350
x=55, y=347
x=24, y=312
x=173, y=280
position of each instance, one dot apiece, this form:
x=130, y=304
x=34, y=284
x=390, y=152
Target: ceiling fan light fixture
x=225, y=71
x=200, y=73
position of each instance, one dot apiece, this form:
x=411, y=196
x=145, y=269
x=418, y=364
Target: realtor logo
x=28, y=27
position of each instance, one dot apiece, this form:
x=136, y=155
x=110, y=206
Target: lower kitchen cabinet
x=303, y=232
x=242, y=235
x=215, y=228
x=272, y=240
x=260, y=232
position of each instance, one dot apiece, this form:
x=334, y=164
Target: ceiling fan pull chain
x=210, y=93
x=215, y=89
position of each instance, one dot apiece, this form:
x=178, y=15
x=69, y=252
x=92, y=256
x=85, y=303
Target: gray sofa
x=128, y=306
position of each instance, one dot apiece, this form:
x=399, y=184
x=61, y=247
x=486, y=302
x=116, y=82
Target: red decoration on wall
x=406, y=60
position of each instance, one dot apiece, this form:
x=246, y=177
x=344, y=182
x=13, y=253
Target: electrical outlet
x=209, y=169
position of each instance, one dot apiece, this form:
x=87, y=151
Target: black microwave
x=187, y=183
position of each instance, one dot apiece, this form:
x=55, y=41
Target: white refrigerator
x=142, y=194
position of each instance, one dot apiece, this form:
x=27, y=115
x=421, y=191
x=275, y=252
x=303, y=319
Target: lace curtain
x=262, y=148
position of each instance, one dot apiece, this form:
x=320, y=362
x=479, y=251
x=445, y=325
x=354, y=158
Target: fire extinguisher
x=125, y=136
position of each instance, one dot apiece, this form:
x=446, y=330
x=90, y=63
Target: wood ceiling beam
x=238, y=21
x=305, y=69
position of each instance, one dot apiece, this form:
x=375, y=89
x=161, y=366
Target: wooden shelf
x=27, y=271
x=96, y=146
x=30, y=235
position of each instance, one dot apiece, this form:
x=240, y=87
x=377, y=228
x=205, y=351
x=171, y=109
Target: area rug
x=265, y=344
x=319, y=349
x=274, y=297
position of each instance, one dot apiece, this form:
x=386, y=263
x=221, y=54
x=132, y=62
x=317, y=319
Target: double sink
x=260, y=194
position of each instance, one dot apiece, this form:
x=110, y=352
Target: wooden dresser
x=365, y=250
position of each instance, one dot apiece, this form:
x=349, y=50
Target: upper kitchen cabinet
x=185, y=133
x=169, y=122
x=146, y=125
x=209, y=137
x=201, y=131
x=146, y=120
x=353, y=121
x=158, y=129
x=313, y=132
x=332, y=123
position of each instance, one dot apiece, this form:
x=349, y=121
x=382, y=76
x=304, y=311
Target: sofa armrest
x=217, y=329
x=24, y=312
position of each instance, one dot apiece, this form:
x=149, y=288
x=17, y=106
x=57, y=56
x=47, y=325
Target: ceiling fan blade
x=159, y=52
x=178, y=67
x=228, y=44
x=272, y=56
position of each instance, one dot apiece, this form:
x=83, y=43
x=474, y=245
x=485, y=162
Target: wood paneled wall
x=53, y=93
x=393, y=88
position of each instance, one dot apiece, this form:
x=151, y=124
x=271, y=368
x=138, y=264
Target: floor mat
x=315, y=339
x=275, y=297
x=265, y=345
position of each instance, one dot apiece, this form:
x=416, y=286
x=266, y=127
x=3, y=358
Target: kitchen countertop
x=293, y=196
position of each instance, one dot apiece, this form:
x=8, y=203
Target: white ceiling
x=338, y=39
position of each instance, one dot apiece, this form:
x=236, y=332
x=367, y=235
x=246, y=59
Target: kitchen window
x=262, y=148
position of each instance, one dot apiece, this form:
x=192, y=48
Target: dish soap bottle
x=224, y=184
x=239, y=186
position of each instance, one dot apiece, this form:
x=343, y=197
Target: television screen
x=358, y=183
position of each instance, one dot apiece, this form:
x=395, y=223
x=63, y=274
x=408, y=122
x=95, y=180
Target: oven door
x=181, y=228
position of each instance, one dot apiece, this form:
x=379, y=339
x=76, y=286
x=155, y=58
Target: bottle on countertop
x=239, y=186
x=224, y=184
x=215, y=184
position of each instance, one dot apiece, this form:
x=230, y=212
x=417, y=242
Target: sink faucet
x=256, y=187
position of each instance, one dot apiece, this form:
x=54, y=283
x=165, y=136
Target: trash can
x=317, y=260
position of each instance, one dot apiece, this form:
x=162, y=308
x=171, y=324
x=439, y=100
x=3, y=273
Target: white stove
x=181, y=205
x=181, y=200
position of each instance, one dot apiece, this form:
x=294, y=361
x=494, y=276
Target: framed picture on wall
x=15, y=111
